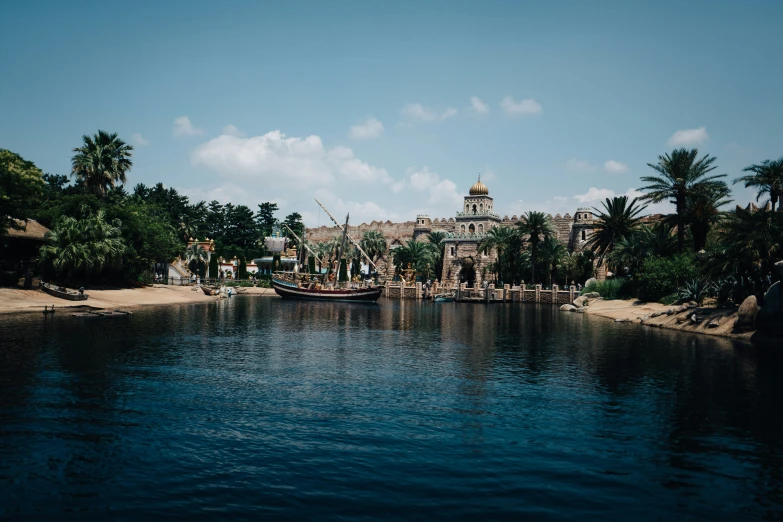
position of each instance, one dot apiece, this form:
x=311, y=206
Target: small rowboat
x=64, y=293
x=210, y=290
x=103, y=313
x=443, y=298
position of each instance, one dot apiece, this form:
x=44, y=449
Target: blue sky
x=388, y=109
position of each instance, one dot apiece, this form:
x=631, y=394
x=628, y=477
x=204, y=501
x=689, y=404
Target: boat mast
x=301, y=242
x=352, y=240
x=342, y=248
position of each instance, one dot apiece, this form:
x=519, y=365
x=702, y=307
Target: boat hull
x=70, y=296
x=291, y=291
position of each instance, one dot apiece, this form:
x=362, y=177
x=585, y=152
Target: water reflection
x=265, y=407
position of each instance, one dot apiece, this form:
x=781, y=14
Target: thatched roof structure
x=30, y=229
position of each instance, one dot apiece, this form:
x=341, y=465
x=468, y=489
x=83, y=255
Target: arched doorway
x=468, y=272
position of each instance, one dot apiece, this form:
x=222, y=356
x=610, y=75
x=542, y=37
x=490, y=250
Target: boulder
x=670, y=311
x=592, y=295
x=779, y=268
x=591, y=281
x=680, y=309
x=746, y=315
x=580, y=301
x=568, y=308
x=713, y=324
x=580, y=310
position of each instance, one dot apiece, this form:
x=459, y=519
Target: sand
x=16, y=301
x=635, y=311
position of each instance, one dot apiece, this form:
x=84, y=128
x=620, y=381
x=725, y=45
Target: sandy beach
x=19, y=301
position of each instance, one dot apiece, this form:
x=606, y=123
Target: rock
x=670, y=311
x=746, y=315
x=580, y=310
x=580, y=301
x=591, y=281
x=779, y=268
x=694, y=319
x=713, y=324
x=693, y=304
x=622, y=320
x=592, y=295
x=680, y=309
x=644, y=317
x=568, y=308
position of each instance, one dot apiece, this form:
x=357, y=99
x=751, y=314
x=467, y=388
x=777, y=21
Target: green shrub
x=695, y=290
x=663, y=276
x=616, y=288
x=9, y=278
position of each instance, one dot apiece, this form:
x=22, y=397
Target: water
x=257, y=408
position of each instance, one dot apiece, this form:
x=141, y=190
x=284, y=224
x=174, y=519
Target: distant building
x=462, y=262
x=19, y=249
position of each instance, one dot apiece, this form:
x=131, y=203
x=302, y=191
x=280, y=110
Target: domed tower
x=582, y=228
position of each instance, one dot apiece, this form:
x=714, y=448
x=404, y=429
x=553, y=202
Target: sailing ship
x=322, y=287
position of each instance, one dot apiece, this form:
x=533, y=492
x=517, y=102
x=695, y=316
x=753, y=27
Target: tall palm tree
x=617, y=221
x=101, y=161
x=702, y=210
x=551, y=253
x=417, y=254
x=535, y=227
x=681, y=175
x=767, y=177
x=500, y=239
x=436, y=241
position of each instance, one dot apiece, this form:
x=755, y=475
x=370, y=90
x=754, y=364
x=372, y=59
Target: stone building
x=462, y=262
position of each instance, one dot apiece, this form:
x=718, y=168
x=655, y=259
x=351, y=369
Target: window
x=583, y=235
x=472, y=229
x=481, y=229
x=481, y=207
x=452, y=251
x=462, y=229
x=474, y=209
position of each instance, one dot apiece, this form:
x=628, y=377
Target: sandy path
x=14, y=300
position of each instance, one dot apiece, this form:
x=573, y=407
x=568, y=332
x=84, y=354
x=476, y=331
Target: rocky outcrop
x=591, y=281
x=568, y=308
x=746, y=315
x=581, y=301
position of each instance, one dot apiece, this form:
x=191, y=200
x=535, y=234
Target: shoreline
x=17, y=301
x=630, y=310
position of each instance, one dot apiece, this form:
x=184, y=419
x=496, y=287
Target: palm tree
x=501, y=239
x=536, y=226
x=374, y=244
x=436, y=241
x=702, y=210
x=323, y=252
x=101, y=161
x=551, y=253
x=417, y=254
x=629, y=253
x=86, y=246
x=618, y=221
x=681, y=175
x=767, y=178
x=196, y=255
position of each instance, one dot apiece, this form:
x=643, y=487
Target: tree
x=196, y=256
x=619, y=221
x=767, y=177
x=101, y=161
x=213, y=267
x=436, y=241
x=83, y=247
x=374, y=244
x=417, y=254
x=702, y=211
x=681, y=175
x=265, y=218
x=501, y=239
x=20, y=184
x=240, y=227
x=536, y=227
x=242, y=268
x=294, y=222
x=551, y=252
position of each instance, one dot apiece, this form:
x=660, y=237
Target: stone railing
x=507, y=293
x=465, y=235
x=479, y=213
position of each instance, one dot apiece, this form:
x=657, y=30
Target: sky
x=391, y=109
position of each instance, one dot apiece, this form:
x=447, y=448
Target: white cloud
x=183, y=127
x=478, y=105
x=367, y=130
x=139, y=140
x=442, y=195
x=689, y=137
x=360, y=212
x=418, y=112
x=233, y=131
x=283, y=162
x=448, y=113
x=575, y=165
x=520, y=108
x=615, y=167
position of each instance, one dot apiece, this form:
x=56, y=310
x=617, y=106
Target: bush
x=695, y=290
x=9, y=278
x=617, y=288
x=661, y=277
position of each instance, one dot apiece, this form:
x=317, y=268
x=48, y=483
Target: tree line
x=101, y=232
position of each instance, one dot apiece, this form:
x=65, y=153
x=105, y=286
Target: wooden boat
x=286, y=287
x=103, y=313
x=63, y=293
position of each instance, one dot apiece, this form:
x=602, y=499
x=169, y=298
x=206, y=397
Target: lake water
x=257, y=408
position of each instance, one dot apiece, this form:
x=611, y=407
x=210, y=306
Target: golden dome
x=479, y=189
